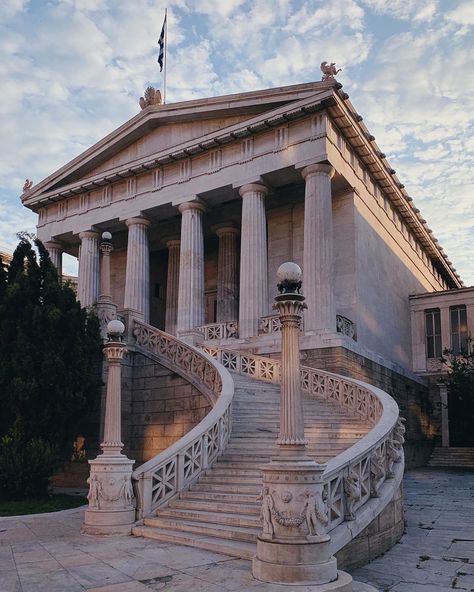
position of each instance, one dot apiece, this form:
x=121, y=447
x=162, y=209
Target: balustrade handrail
x=357, y=474
x=167, y=473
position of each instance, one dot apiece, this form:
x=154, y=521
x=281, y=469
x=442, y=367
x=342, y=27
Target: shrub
x=25, y=467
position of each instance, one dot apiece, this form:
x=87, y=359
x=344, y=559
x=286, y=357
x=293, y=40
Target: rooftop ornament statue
x=152, y=96
x=27, y=185
x=329, y=70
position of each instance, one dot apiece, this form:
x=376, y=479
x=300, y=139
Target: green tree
x=50, y=354
x=460, y=384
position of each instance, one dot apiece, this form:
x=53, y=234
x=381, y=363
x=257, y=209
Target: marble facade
x=206, y=198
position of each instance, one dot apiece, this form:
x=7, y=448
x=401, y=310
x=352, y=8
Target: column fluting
x=227, y=274
x=172, y=285
x=318, y=263
x=88, y=277
x=191, y=267
x=137, y=276
x=55, y=250
x=253, y=299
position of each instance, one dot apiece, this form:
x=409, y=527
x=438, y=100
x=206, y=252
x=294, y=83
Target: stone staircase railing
x=359, y=482
x=165, y=475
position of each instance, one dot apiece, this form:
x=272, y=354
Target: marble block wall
x=412, y=397
x=158, y=407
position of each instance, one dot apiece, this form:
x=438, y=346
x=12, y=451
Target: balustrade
x=346, y=327
x=225, y=330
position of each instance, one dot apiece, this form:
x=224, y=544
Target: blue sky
x=72, y=71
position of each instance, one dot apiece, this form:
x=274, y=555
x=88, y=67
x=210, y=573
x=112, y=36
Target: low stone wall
x=158, y=407
x=381, y=534
x=412, y=397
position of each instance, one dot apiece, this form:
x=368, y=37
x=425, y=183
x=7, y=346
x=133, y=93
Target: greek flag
x=161, y=43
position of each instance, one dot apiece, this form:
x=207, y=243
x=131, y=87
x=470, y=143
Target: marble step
x=210, y=517
x=220, y=471
x=248, y=488
x=241, y=549
x=236, y=533
x=235, y=479
x=219, y=496
x=215, y=506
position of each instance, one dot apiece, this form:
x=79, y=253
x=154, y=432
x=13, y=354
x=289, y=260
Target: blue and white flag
x=161, y=43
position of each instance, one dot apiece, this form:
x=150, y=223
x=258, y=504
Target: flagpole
x=166, y=55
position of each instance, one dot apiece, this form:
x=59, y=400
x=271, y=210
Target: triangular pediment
x=162, y=128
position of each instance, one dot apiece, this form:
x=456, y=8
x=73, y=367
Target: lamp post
x=294, y=547
x=111, y=500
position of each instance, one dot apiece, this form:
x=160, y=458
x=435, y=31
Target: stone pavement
x=437, y=552
x=45, y=553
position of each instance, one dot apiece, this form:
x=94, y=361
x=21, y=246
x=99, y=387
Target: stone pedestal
x=137, y=275
x=253, y=300
x=88, y=276
x=227, y=274
x=191, y=268
x=111, y=508
x=172, y=286
x=318, y=266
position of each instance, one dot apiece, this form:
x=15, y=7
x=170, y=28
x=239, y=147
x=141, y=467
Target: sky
x=72, y=71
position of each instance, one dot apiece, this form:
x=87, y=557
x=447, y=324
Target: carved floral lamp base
x=111, y=508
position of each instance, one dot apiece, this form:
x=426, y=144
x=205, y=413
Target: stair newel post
x=111, y=499
x=294, y=547
x=144, y=501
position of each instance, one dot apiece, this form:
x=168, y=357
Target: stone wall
x=158, y=407
x=412, y=397
x=377, y=538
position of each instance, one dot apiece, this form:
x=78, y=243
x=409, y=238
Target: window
x=458, y=328
x=433, y=333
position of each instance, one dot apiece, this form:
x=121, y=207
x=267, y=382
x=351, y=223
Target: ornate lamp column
x=106, y=309
x=294, y=547
x=111, y=501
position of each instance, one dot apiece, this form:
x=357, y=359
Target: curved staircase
x=220, y=512
x=203, y=490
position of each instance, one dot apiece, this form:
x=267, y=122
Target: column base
x=281, y=562
x=108, y=523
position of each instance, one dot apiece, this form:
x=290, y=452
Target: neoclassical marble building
x=206, y=198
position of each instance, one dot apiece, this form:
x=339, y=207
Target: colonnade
x=244, y=298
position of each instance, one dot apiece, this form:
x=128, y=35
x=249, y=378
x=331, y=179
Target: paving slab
x=46, y=553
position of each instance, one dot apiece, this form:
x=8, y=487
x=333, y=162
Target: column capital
x=195, y=204
x=252, y=188
x=225, y=228
x=138, y=220
x=172, y=242
x=89, y=234
x=54, y=244
x=317, y=168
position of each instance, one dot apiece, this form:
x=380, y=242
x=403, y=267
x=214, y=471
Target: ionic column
x=318, y=266
x=137, y=276
x=88, y=280
x=253, y=300
x=191, y=267
x=172, y=285
x=227, y=274
x=55, y=250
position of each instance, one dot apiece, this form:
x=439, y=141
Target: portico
x=217, y=193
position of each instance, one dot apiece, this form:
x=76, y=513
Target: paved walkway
x=45, y=553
